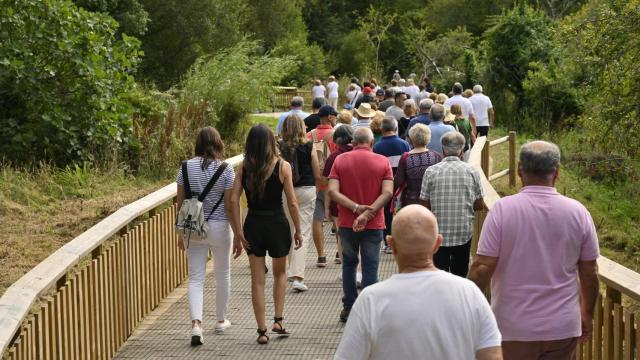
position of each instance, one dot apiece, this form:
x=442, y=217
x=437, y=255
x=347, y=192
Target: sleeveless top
x=303, y=154
x=272, y=196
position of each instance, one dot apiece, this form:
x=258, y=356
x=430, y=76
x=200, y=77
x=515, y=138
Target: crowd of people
x=389, y=171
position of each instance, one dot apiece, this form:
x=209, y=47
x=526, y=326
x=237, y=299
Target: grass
x=613, y=207
x=42, y=209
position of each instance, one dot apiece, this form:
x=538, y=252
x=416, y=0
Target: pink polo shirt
x=538, y=237
x=361, y=173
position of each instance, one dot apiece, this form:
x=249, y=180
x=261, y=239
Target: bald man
x=422, y=312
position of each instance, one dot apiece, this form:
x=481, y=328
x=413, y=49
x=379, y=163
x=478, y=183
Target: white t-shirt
x=419, y=315
x=481, y=105
x=467, y=108
x=318, y=91
x=333, y=89
x=395, y=111
x=412, y=91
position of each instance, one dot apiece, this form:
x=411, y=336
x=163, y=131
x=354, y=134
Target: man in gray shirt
x=438, y=128
x=397, y=110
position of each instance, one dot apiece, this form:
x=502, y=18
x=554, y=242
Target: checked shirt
x=452, y=186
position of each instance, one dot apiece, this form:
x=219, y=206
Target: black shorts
x=267, y=234
x=482, y=130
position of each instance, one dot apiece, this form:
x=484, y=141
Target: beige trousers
x=306, y=196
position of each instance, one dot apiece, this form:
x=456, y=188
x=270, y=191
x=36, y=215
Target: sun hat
x=365, y=111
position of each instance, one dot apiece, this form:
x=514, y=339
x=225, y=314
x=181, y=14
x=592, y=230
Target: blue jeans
x=367, y=244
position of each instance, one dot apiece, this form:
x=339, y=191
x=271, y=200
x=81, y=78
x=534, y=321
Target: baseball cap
x=327, y=110
x=380, y=92
x=367, y=90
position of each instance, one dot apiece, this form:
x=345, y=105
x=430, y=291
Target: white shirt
x=395, y=111
x=333, y=89
x=467, y=108
x=419, y=315
x=481, y=105
x=412, y=91
x=318, y=91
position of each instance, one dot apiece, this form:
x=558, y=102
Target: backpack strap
x=185, y=179
x=213, y=180
x=314, y=135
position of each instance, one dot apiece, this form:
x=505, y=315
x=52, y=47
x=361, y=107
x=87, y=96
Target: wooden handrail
x=16, y=302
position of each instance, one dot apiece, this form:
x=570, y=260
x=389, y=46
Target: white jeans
x=306, y=197
x=333, y=101
x=219, y=242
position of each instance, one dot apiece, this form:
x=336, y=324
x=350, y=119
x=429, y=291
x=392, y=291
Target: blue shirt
x=392, y=147
x=422, y=118
x=303, y=115
x=438, y=128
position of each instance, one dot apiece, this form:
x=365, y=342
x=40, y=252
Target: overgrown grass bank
x=613, y=204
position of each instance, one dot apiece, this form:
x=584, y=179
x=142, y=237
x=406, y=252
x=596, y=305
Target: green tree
x=375, y=25
x=63, y=82
x=130, y=14
x=181, y=31
x=355, y=54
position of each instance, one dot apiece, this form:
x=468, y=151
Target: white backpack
x=190, y=221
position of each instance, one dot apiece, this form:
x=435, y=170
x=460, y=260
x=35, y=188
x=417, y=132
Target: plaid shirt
x=452, y=186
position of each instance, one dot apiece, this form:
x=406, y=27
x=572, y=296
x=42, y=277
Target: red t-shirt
x=361, y=173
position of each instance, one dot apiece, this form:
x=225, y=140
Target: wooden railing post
x=512, y=158
x=485, y=159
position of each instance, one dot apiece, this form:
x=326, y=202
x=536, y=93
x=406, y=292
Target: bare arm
x=386, y=192
x=179, y=199
x=315, y=167
x=482, y=269
x=478, y=204
x=491, y=116
x=472, y=119
x=232, y=207
x=492, y=353
x=589, y=291
x=338, y=197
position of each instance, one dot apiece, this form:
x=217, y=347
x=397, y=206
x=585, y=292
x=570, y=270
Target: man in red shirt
x=322, y=133
x=361, y=183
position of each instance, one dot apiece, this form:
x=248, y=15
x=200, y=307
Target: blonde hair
x=411, y=106
x=376, y=123
x=345, y=117
x=317, y=82
x=442, y=98
x=433, y=96
x=294, y=131
x=467, y=93
x=419, y=135
x=456, y=109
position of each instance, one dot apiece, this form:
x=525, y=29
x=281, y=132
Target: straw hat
x=365, y=111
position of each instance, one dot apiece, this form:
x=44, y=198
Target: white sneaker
x=222, y=326
x=196, y=336
x=299, y=286
x=358, y=279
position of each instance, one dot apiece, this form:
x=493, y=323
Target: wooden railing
x=281, y=99
x=85, y=300
x=616, y=324
x=486, y=156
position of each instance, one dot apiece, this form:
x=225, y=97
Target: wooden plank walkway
x=311, y=316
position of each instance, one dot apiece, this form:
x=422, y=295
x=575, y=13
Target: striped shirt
x=452, y=186
x=198, y=179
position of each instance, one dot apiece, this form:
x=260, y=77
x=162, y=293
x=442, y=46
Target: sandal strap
x=278, y=319
x=262, y=332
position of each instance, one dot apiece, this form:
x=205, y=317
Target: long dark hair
x=259, y=151
x=209, y=146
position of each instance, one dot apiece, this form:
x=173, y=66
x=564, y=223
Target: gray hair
x=343, y=135
x=452, y=143
x=389, y=123
x=420, y=135
x=539, y=158
x=297, y=101
x=477, y=88
x=425, y=105
x=437, y=112
x=362, y=136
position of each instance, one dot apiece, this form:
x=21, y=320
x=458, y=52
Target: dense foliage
x=63, y=76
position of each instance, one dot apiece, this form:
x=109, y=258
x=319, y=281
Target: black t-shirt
x=364, y=99
x=302, y=160
x=312, y=121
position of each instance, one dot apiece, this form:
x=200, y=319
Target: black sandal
x=281, y=331
x=262, y=334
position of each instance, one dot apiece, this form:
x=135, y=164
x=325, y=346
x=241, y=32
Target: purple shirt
x=538, y=237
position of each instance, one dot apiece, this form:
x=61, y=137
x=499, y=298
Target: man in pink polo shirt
x=534, y=247
x=361, y=183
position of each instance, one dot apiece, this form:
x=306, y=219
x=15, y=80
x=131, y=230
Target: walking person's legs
x=306, y=197
x=318, y=231
x=279, y=291
x=442, y=258
x=197, y=254
x=257, y=266
x=370, y=253
x=221, y=236
x=460, y=259
x=388, y=219
x=350, y=251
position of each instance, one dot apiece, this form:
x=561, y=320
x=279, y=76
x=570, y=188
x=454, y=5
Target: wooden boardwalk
x=311, y=316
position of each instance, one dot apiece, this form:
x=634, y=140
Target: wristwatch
x=355, y=208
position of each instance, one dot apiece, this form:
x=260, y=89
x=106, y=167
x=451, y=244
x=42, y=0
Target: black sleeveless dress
x=266, y=227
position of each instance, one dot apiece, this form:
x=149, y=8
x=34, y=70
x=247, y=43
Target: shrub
x=63, y=75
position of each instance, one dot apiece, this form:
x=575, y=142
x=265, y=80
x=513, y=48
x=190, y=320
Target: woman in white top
x=332, y=89
x=209, y=153
x=318, y=90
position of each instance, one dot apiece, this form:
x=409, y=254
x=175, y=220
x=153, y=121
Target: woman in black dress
x=263, y=176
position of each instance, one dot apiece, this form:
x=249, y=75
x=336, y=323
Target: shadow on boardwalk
x=312, y=317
